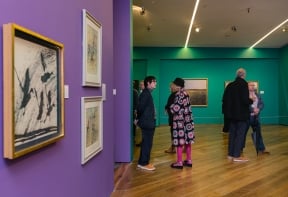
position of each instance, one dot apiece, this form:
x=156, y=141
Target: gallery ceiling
x=222, y=23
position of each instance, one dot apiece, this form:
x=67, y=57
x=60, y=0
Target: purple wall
x=122, y=66
x=56, y=170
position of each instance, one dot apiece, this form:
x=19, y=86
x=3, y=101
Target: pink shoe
x=177, y=165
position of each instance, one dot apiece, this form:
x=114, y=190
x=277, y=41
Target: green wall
x=217, y=65
x=283, y=86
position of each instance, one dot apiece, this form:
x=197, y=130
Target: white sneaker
x=148, y=167
x=229, y=157
x=240, y=159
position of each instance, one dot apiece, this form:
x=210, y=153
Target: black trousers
x=146, y=146
x=237, y=134
x=226, y=125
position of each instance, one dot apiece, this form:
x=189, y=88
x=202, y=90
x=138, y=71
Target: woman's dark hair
x=148, y=79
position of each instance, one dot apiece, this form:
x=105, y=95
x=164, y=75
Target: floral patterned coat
x=183, y=124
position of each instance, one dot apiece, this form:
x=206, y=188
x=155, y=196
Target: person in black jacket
x=170, y=101
x=236, y=104
x=135, y=103
x=146, y=120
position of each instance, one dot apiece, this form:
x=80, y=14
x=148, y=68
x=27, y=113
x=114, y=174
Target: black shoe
x=186, y=163
x=176, y=165
x=139, y=144
x=264, y=152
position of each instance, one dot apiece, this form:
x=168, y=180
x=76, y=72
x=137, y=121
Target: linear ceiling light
x=191, y=23
x=269, y=33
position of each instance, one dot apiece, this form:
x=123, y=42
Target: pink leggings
x=188, y=153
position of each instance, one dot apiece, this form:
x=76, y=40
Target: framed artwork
x=92, y=50
x=33, y=91
x=255, y=82
x=92, y=127
x=198, y=91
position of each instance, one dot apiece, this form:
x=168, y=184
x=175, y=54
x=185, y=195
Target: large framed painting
x=198, y=91
x=92, y=127
x=92, y=50
x=33, y=91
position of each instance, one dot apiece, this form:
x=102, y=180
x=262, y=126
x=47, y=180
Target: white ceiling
x=169, y=22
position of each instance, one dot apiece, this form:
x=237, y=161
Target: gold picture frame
x=92, y=127
x=198, y=91
x=33, y=84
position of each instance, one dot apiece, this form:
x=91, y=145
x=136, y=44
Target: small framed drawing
x=92, y=50
x=92, y=127
x=33, y=91
x=198, y=91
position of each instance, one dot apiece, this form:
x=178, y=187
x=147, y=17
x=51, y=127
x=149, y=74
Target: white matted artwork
x=33, y=96
x=92, y=127
x=92, y=50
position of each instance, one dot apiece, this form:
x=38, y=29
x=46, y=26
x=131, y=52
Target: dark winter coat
x=236, y=100
x=146, y=110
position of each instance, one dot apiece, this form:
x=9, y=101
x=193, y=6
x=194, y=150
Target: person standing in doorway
x=146, y=120
x=135, y=104
x=236, y=104
x=141, y=88
x=170, y=101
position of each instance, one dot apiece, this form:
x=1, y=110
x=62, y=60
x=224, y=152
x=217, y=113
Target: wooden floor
x=212, y=173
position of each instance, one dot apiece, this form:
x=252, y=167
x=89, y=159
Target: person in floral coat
x=183, y=125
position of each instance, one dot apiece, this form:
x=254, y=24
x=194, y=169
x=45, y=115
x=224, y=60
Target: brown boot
x=171, y=149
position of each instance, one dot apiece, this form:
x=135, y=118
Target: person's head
x=179, y=82
x=241, y=72
x=251, y=86
x=150, y=82
x=172, y=87
x=141, y=85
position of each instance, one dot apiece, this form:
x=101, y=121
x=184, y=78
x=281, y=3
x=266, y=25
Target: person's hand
x=256, y=110
x=253, y=98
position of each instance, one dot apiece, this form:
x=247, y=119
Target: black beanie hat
x=179, y=82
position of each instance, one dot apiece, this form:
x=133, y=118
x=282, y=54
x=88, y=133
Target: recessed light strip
x=269, y=33
x=191, y=23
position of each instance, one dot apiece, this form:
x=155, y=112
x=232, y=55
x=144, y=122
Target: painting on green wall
x=198, y=91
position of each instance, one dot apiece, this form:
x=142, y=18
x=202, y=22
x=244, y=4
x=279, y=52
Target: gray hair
x=241, y=72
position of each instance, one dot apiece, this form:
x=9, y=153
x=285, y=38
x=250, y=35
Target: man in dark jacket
x=236, y=104
x=146, y=120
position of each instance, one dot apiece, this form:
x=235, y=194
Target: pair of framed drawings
x=92, y=107
x=33, y=90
